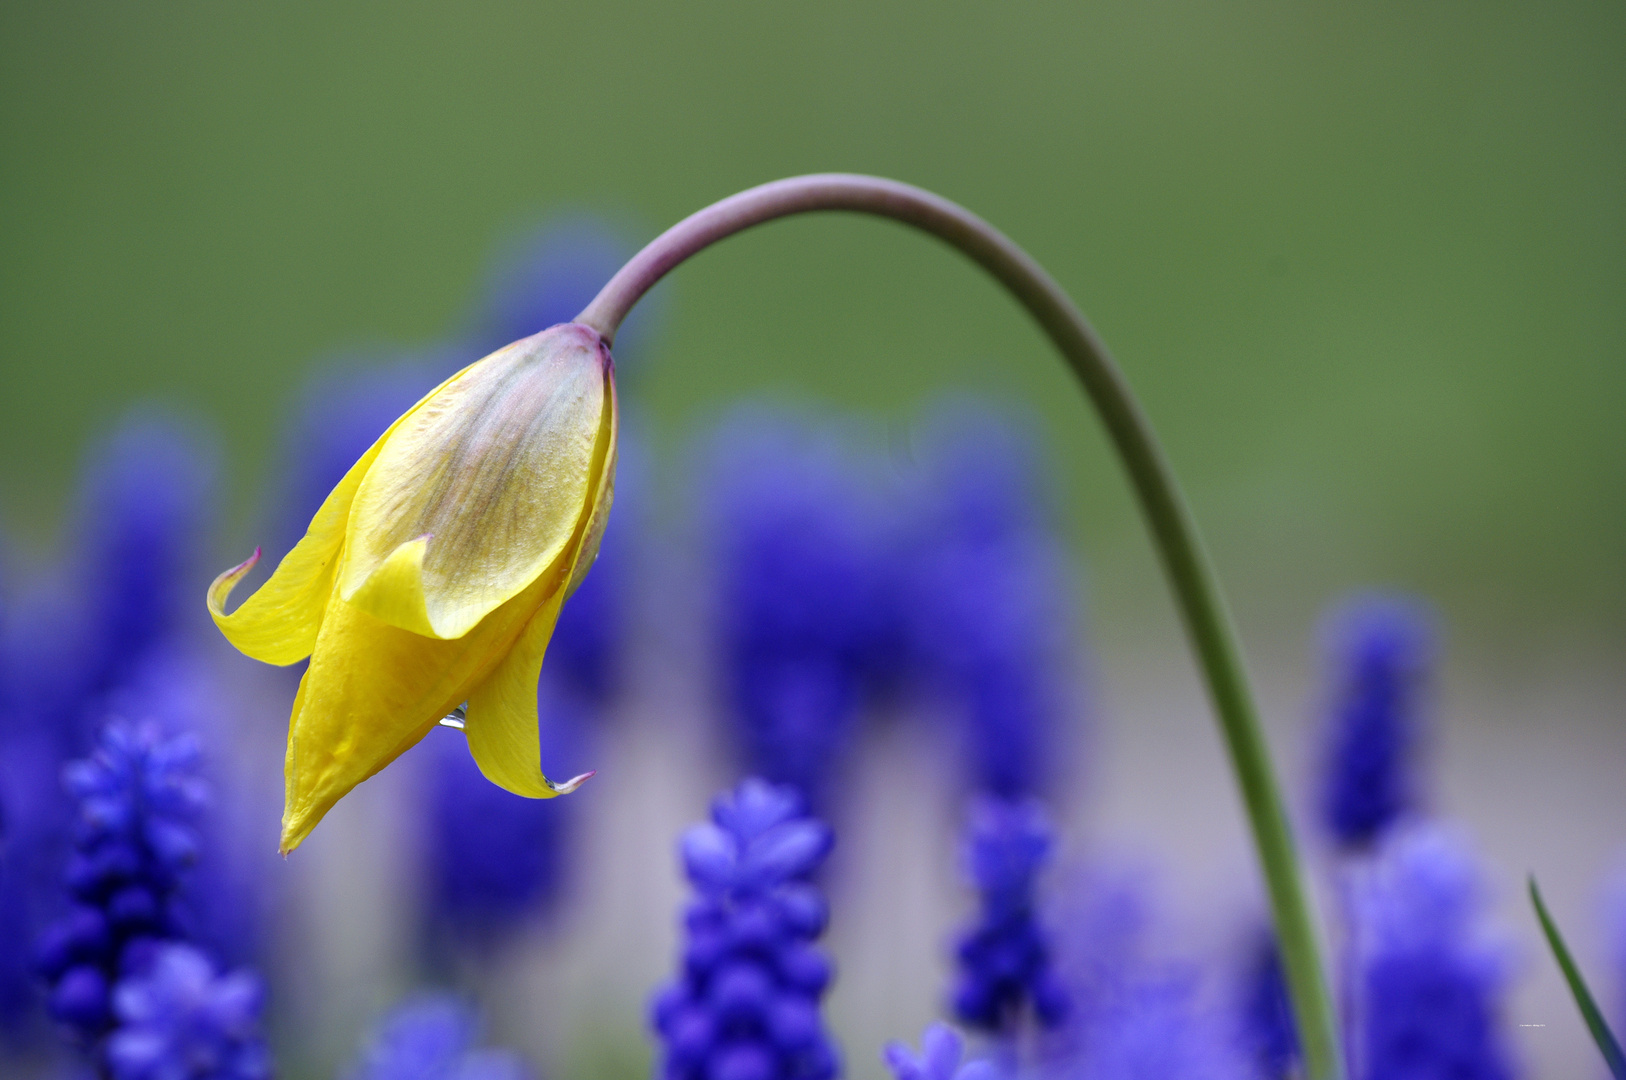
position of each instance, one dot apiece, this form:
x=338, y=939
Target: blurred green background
x=1364, y=262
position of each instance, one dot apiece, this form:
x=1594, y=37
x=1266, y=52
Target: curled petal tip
x=222, y=585
x=572, y=784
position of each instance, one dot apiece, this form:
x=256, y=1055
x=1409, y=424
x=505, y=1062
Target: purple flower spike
x=988, y=588
x=1430, y=985
x=1380, y=650
x=939, y=1059
x=431, y=1037
x=182, y=1021
x=1005, y=956
x=746, y=1003
x=138, y=795
x=802, y=607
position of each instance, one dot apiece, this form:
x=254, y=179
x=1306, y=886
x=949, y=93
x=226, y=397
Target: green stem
x=1190, y=575
x=1608, y=1045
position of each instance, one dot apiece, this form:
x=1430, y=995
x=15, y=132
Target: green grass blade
x=1608, y=1045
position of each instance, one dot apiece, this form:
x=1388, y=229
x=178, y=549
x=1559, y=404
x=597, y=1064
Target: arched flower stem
x=1172, y=527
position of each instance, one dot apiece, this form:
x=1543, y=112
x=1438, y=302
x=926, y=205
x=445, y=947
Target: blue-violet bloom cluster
x=179, y=1019
x=988, y=599
x=1005, y=956
x=1156, y=1029
x=745, y=1005
x=1379, y=652
x=433, y=1037
x=1430, y=984
x=1266, y=1015
x=101, y=632
x=800, y=613
x=138, y=795
x=941, y=1051
x=485, y=882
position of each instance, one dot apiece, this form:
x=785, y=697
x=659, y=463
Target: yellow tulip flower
x=433, y=574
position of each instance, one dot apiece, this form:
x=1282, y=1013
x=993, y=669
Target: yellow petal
x=372, y=691
x=603, y=497
x=279, y=623
x=394, y=593
x=496, y=470
x=501, y=724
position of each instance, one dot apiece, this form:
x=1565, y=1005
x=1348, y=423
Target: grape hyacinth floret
x=1430, y=985
x=1266, y=1018
x=941, y=1049
x=988, y=600
x=801, y=614
x=137, y=796
x=432, y=1037
x=1004, y=957
x=485, y=883
x=180, y=1020
x=1379, y=649
x=745, y=1005
x=146, y=500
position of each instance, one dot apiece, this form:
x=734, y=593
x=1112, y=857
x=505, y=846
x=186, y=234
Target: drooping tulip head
x=433, y=574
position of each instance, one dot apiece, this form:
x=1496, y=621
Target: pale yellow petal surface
x=604, y=497
x=279, y=622
x=495, y=472
x=372, y=691
x=501, y=724
x=394, y=593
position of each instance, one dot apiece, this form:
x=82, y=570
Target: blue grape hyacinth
x=1005, y=956
x=145, y=500
x=745, y=1005
x=988, y=599
x=137, y=795
x=1379, y=652
x=1430, y=985
x=107, y=625
x=492, y=858
x=800, y=606
x=1157, y=1029
x=941, y=1050
x=178, y=1019
x=1265, y=1014
x=432, y=1037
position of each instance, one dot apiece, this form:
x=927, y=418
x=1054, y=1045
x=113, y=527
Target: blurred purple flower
x=146, y=502
x=96, y=635
x=1379, y=651
x=138, y=795
x=989, y=596
x=745, y=1005
x=1156, y=1029
x=1005, y=956
x=1133, y=1012
x=800, y=592
x=586, y=655
x=1430, y=984
x=1266, y=1016
x=492, y=857
x=432, y=1037
x=941, y=1049
x=179, y=1020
